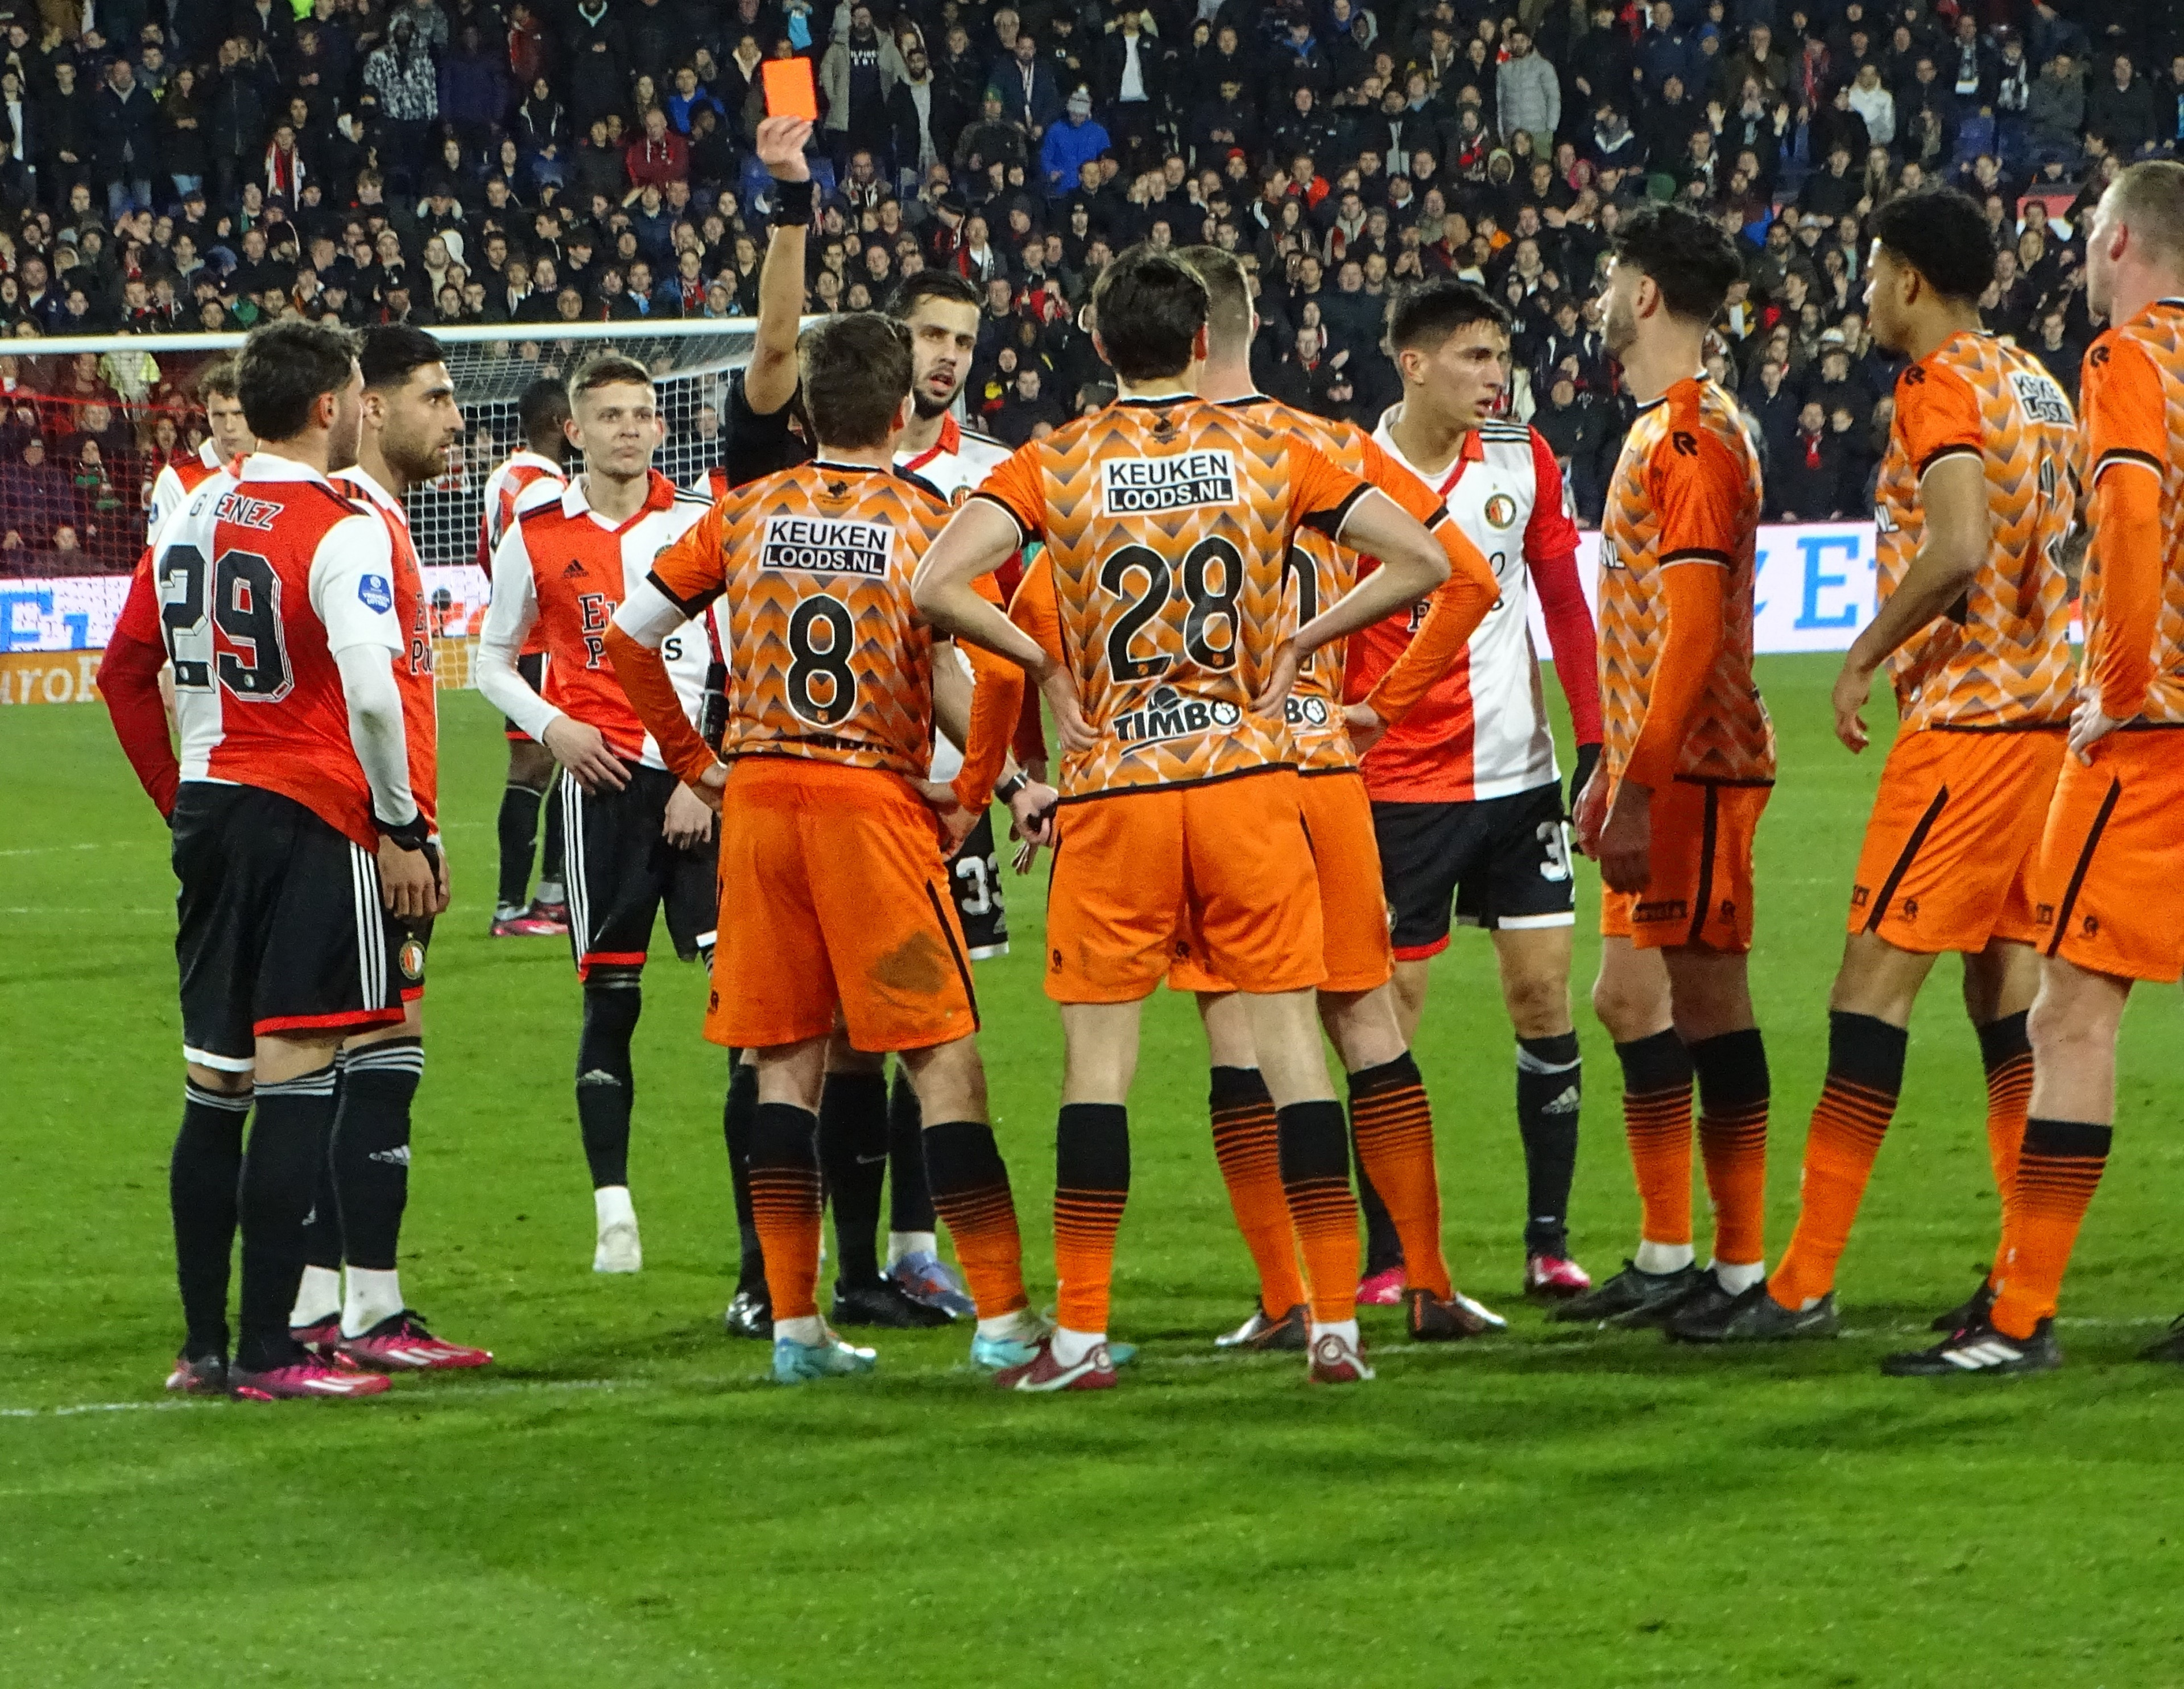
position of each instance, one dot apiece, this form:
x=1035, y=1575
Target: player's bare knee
x=951, y=1080
x=290, y=1058
x=1227, y=1030
x=529, y=765
x=1539, y=1003
x=221, y=1081
x=844, y=1057
x=1362, y=1027
x=793, y=1073
x=1878, y=979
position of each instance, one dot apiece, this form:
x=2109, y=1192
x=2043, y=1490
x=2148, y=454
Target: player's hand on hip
x=1281, y=676
x=688, y=821
x=2089, y=727
x=584, y=752
x=1626, y=840
x=1852, y=685
x=1365, y=725
x=1031, y=817
x=1059, y=687
x=780, y=148
x=407, y=884
x=955, y=821
x=1591, y=813
x=712, y=786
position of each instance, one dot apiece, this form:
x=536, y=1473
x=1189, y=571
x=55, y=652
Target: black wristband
x=792, y=204
x=1007, y=790
x=411, y=835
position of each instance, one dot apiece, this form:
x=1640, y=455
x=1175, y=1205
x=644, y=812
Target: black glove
x=1588, y=759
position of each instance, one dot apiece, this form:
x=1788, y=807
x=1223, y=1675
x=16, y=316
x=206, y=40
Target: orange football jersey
x=2132, y=397
x=826, y=658
x=1686, y=491
x=1167, y=524
x=2002, y=656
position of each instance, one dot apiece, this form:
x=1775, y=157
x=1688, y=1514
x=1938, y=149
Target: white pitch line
x=91, y=844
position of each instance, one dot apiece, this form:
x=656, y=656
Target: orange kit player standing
x=2105, y=908
x=529, y=475
x=1390, y=1114
x=830, y=856
x=1167, y=521
x=1685, y=771
x=1975, y=504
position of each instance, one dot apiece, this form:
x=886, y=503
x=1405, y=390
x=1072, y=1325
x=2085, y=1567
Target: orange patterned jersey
x=2001, y=657
x=1686, y=491
x=1167, y=524
x=2132, y=396
x=825, y=659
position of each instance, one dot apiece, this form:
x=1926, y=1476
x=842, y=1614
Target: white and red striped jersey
x=173, y=485
x=952, y=466
x=263, y=576
x=1482, y=731
x=562, y=570
x=413, y=665
x=502, y=489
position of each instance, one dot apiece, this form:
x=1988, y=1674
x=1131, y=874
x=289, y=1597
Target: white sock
x=318, y=1297
x=373, y=1295
x=900, y=1244
x=1737, y=1278
x=1023, y=1323
x=612, y=1204
x=1346, y=1330
x=549, y=891
x=1072, y=1346
x=810, y=1330
x=1661, y=1257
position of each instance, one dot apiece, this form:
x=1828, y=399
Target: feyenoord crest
x=1501, y=510
x=410, y=958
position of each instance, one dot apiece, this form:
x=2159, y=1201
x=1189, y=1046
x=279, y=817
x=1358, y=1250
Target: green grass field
x=623, y=1498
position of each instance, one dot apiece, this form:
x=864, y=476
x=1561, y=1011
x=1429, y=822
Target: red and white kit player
x=537, y=464
x=1467, y=801
x=638, y=838
x=410, y=422
x=231, y=439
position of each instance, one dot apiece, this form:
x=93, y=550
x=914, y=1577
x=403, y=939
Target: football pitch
x=624, y=1499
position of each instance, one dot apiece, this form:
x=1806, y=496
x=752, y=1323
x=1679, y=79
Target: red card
x=788, y=90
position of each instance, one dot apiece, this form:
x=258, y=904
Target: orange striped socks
x=1091, y=1183
x=786, y=1205
x=1394, y=1123
x=2057, y=1172
x=1657, y=1118
x=2006, y=1053
x=1865, y=1073
x=1248, y=1145
x=970, y=1185
x=1315, y=1152
x=1733, y=1089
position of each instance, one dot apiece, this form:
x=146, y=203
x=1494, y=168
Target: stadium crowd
x=198, y=166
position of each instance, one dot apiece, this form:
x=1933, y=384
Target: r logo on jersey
x=373, y=592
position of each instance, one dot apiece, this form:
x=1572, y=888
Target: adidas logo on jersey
x=1144, y=486
x=575, y=571
x=827, y=547
x=1168, y=714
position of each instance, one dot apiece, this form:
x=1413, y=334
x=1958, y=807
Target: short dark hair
x=945, y=285
x=392, y=351
x=1690, y=257
x=1422, y=318
x=219, y=377
x=608, y=369
x=855, y=368
x=1150, y=306
x=1942, y=234
x=543, y=408
x=285, y=369
x=1227, y=293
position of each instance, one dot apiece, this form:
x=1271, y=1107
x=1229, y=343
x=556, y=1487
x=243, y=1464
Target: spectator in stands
x=1072, y=144
x=2120, y=112
x=2058, y=112
x=1804, y=484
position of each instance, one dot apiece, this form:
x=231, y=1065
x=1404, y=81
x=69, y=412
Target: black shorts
x=531, y=665
x=410, y=939
x=1503, y=863
x=280, y=929
x=976, y=877
x=622, y=871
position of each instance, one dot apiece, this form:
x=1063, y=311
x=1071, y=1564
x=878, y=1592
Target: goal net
x=87, y=423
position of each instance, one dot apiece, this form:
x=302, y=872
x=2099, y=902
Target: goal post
x=86, y=423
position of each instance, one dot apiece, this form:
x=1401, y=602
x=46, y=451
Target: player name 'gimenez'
x=1137, y=487
x=827, y=547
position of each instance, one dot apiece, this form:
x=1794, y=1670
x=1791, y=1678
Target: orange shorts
x=834, y=899
x=1353, y=907
x=1700, y=893
x=1947, y=860
x=2108, y=887
x=1138, y=874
